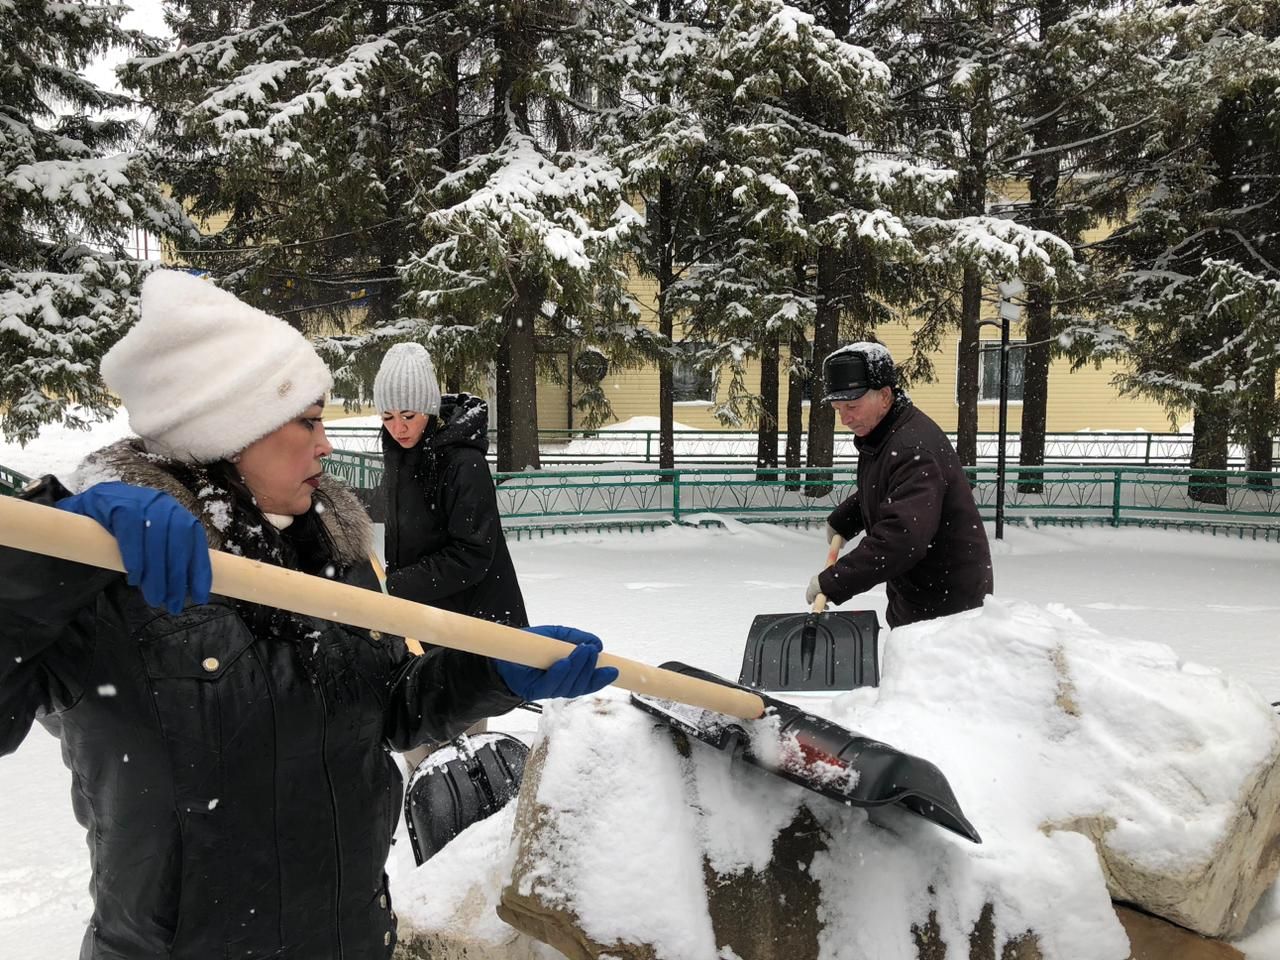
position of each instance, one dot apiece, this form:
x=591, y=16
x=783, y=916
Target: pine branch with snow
x=73, y=187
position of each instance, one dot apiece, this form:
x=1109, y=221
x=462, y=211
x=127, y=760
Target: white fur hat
x=406, y=381
x=203, y=374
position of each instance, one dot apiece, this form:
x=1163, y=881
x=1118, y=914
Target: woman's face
x=282, y=470
x=405, y=426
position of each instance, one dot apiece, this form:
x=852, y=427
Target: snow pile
x=1035, y=719
x=458, y=888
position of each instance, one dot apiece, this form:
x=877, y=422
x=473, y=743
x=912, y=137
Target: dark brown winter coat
x=924, y=537
x=231, y=764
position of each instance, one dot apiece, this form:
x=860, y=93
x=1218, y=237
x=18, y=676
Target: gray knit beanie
x=406, y=381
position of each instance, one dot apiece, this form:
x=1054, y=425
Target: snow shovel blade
x=819, y=755
x=812, y=651
x=458, y=785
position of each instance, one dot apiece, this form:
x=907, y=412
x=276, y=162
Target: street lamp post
x=1010, y=310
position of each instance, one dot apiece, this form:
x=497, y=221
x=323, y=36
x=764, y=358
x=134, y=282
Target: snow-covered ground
x=691, y=594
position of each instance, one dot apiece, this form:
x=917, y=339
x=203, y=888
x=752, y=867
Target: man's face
x=864, y=414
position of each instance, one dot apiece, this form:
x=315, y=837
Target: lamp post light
x=1010, y=310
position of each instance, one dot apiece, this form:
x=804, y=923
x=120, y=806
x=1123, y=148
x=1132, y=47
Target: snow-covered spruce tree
x=1187, y=282
x=1077, y=80
x=71, y=191
x=793, y=116
x=642, y=58
x=526, y=234
x=298, y=133
x=885, y=231
x=954, y=69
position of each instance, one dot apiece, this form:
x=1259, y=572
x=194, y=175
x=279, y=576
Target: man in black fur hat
x=923, y=536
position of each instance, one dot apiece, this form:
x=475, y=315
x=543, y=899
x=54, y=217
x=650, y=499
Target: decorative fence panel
x=11, y=481
x=739, y=447
x=1113, y=495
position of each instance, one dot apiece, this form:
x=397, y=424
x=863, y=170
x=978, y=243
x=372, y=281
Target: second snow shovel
x=786, y=741
x=814, y=651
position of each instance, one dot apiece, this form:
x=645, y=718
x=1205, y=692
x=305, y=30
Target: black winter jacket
x=230, y=764
x=444, y=540
x=924, y=537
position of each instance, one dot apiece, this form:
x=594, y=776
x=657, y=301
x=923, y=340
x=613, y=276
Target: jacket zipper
x=333, y=803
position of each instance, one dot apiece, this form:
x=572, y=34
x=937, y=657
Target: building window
x=989, y=371
x=688, y=380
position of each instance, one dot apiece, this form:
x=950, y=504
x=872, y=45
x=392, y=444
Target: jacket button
x=210, y=664
x=386, y=939
x=382, y=901
x=375, y=635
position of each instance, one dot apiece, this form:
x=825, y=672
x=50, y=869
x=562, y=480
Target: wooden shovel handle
x=837, y=543
x=56, y=533
x=414, y=646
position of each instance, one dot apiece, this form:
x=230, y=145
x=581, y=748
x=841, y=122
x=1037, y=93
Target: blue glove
x=571, y=676
x=163, y=546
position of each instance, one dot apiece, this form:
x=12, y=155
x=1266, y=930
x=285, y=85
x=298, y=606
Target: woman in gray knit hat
x=444, y=540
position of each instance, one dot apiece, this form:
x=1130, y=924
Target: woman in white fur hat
x=444, y=541
x=231, y=761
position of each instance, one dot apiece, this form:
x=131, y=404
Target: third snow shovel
x=463, y=783
x=814, y=651
x=786, y=741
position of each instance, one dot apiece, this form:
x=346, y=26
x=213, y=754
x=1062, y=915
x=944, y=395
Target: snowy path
x=691, y=595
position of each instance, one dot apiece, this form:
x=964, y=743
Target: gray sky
x=146, y=15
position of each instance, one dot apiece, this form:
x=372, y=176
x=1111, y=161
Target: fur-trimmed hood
x=339, y=512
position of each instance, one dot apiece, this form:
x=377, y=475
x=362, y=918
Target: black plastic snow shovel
x=814, y=651
x=819, y=755
x=467, y=781
x=803, y=748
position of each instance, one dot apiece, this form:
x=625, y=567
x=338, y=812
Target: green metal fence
x=537, y=502
x=1120, y=495
x=11, y=481
x=1113, y=495
x=739, y=446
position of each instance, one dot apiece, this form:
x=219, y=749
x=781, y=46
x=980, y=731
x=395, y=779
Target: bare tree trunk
x=767, y=428
x=1035, y=387
x=663, y=237
x=973, y=202
x=795, y=406
x=826, y=333
x=1210, y=442
x=1260, y=431
x=517, y=385
x=666, y=327
x=1045, y=177
x=967, y=368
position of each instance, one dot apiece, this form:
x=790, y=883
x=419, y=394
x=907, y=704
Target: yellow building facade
x=1079, y=400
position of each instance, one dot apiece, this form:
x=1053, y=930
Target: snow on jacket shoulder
x=924, y=536
x=231, y=762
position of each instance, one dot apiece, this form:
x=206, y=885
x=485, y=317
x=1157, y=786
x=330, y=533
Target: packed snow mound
x=1071, y=723
x=1036, y=719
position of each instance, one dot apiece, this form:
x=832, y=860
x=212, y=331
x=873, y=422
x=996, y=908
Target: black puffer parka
x=924, y=537
x=230, y=764
x=444, y=540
